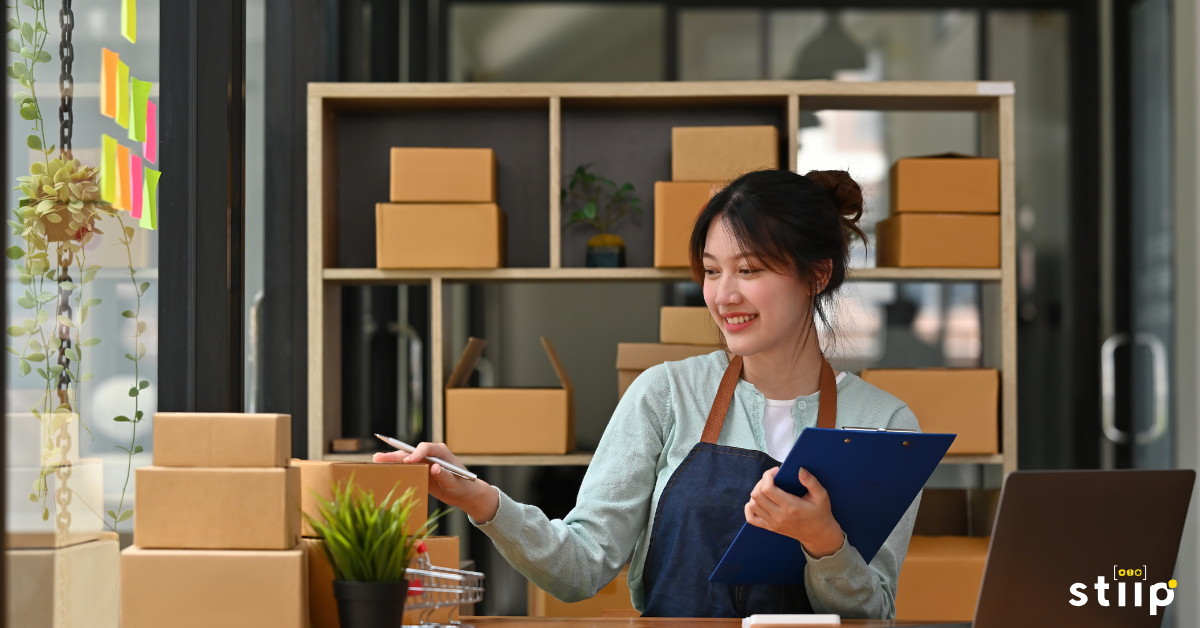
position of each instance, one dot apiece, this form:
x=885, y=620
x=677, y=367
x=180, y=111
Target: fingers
x=389, y=456
x=754, y=516
x=814, y=487
x=437, y=450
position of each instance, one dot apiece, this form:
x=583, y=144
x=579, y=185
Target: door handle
x=1158, y=353
x=1108, y=388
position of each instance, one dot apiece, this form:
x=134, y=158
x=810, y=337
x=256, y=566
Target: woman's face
x=757, y=308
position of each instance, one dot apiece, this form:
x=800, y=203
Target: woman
x=692, y=449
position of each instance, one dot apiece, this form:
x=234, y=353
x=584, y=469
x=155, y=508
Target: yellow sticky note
x=108, y=82
x=150, y=199
x=123, y=198
x=108, y=169
x=129, y=20
x=137, y=111
x=122, y=87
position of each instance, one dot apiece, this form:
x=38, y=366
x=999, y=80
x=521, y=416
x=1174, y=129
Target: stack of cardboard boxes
x=703, y=159
x=217, y=530
x=684, y=332
x=443, y=211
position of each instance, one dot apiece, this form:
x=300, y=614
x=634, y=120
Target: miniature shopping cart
x=432, y=588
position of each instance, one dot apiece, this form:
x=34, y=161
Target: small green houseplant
x=369, y=548
x=601, y=204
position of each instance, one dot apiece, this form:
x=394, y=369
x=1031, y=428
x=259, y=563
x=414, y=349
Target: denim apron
x=700, y=512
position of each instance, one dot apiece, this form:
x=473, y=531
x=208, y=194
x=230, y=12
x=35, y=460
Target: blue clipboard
x=872, y=477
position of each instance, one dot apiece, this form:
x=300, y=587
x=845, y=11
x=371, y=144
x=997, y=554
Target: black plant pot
x=370, y=604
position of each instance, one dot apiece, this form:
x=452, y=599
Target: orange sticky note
x=108, y=82
x=123, y=198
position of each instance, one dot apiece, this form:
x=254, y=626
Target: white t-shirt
x=779, y=428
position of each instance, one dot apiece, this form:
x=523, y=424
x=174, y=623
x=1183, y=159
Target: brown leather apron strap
x=826, y=410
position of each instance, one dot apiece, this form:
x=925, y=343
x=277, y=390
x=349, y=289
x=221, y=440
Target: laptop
x=1060, y=533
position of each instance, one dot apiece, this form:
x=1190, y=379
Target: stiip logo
x=1137, y=575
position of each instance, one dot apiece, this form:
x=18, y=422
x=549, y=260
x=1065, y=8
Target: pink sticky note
x=135, y=171
x=150, y=147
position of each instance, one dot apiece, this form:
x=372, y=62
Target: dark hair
x=790, y=222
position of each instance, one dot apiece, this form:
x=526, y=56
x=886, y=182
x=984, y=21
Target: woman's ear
x=822, y=271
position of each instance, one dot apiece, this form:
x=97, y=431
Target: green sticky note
x=108, y=168
x=122, y=117
x=129, y=20
x=137, y=112
x=150, y=199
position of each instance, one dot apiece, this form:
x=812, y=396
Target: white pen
x=455, y=469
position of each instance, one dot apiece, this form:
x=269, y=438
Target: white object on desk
x=791, y=620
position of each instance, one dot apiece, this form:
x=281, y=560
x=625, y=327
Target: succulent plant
x=62, y=201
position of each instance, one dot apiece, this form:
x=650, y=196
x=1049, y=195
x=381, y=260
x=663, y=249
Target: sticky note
x=108, y=82
x=150, y=199
x=137, y=110
x=122, y=88
x=108, y=169
x=129, y=20
x=135, y=185
x=122, y=201
x=150, y=148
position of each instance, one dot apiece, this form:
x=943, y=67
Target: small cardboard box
x=614, y=596
x=688, y=326
x=949, y=183
x=207, y=588
x=949, y=401
x=87, y=574
x=228, y=509
x=442, y=551
x=439, y=236
x=201, y=439
x=24, y=526
x=940, y=578
x=635, y=357
x=317, y=478
x=676, y=206
x=939, y=241
x=722, y=153
x=508, y=420
x=443, y=175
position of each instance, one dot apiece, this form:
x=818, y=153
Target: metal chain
x=66, y=84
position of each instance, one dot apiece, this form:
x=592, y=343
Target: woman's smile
x=737, y=321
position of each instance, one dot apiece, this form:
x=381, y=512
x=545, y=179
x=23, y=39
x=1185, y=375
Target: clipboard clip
x=877, y=429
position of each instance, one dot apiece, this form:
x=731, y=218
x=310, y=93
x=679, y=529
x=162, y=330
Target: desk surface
x=639, y=622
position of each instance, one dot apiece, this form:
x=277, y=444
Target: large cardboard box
x=206, y=508
x=939, y=241
x=614, y=596
x=949, y=183
x=87, y=574
x=635, y=357
x=442, y=551
x=438, y=175
x=940, y=578
x=688, y=326
x=24, y=526
x=508, y=420
x=202, y=439
x=676, y=206
x=439, y=236
x=722, y=153
x=952, y=401
x=208, y=588
x=317, y=478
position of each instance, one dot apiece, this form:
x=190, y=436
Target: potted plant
x=369, y=548
x=591, y=193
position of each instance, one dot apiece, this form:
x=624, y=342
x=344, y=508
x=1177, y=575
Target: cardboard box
x=614, y=596
x=317, y=478
x=201, y=439
x=949, y=183
x=439, y=236
x=204, y=508
x=950, y=401
x=438, y=175
x=688, y=326
x=508, y=420
x=938, y=241
x=635, y=357
x=87, y=574
x=24, y=526
x=207, y=588
x=676, y=206
x=442, y=551
x=940, y=578
x=722, y=153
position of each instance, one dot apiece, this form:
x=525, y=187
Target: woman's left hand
x=807, y=519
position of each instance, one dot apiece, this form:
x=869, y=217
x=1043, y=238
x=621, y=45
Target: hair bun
x=846, y=195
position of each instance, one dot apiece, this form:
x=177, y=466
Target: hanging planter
x=62, y=201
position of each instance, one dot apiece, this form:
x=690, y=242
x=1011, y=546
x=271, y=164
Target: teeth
x=737, y=320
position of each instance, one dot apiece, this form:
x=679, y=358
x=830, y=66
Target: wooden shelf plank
x=973, y=459
x=585, y=458
x=375, y=275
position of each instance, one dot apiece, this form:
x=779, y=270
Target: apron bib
x=700, y=512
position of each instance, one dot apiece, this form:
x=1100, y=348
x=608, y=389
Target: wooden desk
x=617, y=622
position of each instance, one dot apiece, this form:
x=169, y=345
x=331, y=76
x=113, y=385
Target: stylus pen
x=452, y=468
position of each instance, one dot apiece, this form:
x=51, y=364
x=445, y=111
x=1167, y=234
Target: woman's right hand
x=477, y=498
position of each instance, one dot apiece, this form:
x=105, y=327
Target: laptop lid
x=1058, y=533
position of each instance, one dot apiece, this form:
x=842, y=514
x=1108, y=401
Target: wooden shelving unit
x=540, y=123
